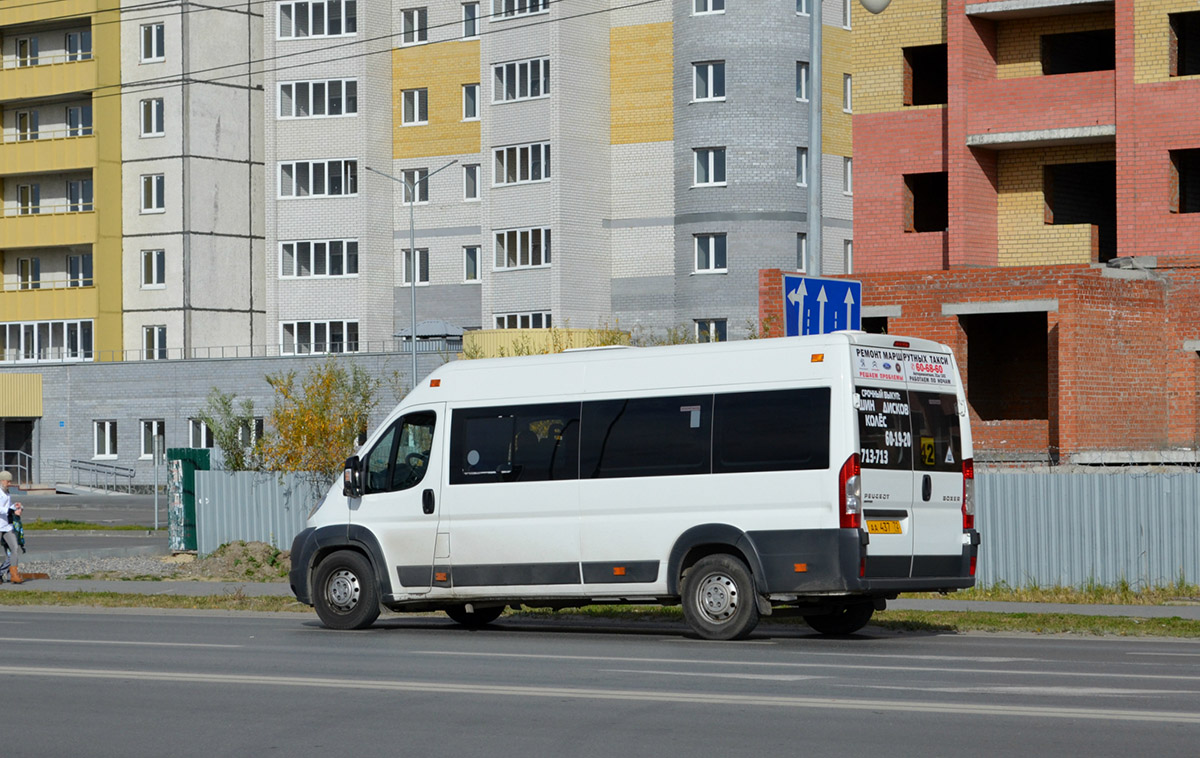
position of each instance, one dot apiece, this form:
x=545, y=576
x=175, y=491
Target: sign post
x=814, y=305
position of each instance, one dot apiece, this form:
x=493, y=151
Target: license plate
x=883, y=527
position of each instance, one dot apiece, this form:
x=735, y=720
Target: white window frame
x=154, y=192
x=470, y=19
x=416, y=182
x=847, y=176
x=57, y=341
x=200, y=437
x=531, y=247
x=153, y=43
x=470, y=108
x=79, y=121
x=501, y=320
x=802, y=167
x=104, y=440
x=81, y=40
x=414, y=105
x=802, y=81
x=707, y=7
x=709, y=83
x=521, y=164
x=707, y=242
x=318, y=11
x=848, y=255
x=847, y=93
x=152, y=117
x=511, y=78
x=803, y=8
x=802, y=252
x=154, y=342
x=414, y=26
x=80, y=197
x=152, y=428
x=288, y=98
x=314, y=327
x=154, y=264
x=711, y=158
x=471, y=180
x=467, y=265
x=321, y=255
x=79, y=270
x=422, y=267
x=345, y=170
x=705, y=327
x=29, y=273
x=506, y=9
x=846, y=14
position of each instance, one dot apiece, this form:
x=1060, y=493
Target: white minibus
x=813, y=476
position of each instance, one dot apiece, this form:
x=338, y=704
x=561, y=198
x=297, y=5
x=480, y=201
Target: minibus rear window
x=780, y=430
x=937, y=439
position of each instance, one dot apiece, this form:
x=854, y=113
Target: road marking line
x=690, y=698
x=119, y=642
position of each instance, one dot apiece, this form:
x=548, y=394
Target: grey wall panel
x=255, y=507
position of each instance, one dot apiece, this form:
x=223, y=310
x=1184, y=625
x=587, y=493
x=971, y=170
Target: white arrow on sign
x=822, y=299
x=849, y=306
x=797, y=295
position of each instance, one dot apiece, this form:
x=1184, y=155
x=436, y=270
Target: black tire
x=846, y=620
x=345, y=592
x=476, y=618
x=718, y=598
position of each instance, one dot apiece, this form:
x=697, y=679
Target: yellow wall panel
x=20, y=395
x=879, y=43
x=836, y=124
x=442, y=69
x=641, y=61
x=1152, y=38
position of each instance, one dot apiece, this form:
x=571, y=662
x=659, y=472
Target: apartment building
x=1027, y=180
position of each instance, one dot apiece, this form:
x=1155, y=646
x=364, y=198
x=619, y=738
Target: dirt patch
x=237, y=561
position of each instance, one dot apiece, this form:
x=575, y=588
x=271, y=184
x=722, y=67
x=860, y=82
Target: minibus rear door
x=885, y=458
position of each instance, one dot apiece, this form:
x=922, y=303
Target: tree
x=231, y=425
x=314, y=427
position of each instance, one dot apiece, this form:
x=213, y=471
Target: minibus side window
x=400, y=458
x=652, y=436
x=521, y=443
x=937, y=439
x=884, y=435
x=779, y=430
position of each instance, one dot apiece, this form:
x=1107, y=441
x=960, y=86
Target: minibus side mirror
x=352, y=478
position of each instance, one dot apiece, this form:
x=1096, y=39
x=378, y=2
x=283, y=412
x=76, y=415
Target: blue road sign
x=819, y=306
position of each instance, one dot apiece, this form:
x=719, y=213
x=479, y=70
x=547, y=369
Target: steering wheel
x=416, y=460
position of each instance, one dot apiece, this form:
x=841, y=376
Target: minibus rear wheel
x=718, y=598
x=344, y=591
x=846, y=620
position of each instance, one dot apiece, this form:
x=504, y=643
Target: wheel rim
x=717, y=597
x=343, y=590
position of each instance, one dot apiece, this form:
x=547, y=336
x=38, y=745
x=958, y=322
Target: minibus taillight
x=968, y=504
x=850, y=494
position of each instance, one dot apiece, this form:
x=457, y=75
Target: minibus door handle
x=427, y=501
x=926, y=489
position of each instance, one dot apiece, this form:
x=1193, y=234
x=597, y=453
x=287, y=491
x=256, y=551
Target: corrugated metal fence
x=1068, y=529
x=250, y=506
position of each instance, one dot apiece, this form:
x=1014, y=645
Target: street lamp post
x=414, y=263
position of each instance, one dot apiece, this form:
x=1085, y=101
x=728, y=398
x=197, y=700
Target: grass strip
x=233, y=601
x=62, y=524
x=1091, y=594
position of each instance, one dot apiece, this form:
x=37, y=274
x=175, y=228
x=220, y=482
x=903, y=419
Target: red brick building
x=1027, y=190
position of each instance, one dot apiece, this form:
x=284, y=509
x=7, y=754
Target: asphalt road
x=112, y=510
x=208, y=684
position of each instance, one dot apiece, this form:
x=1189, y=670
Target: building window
x=1076, y=52
x=1185, y=43
x=801, y=252
x=29, y=199
x=200, y=435
x=533, y=320
x=802, y=166
x=1008, y=360
x=925, y=75
x=79, y=45
x=848, y=255
x=27, y=126
x=317, y=18
x=710, y=166
x=79, y=270
x=154, y=269
x=802, y=7
x=106, y=439
x=79, y=195
x=509, y=8
x=847, y=93
x=710, y=253
x=1185, y=181
x=422, y=266
x=520, y=80
x=318, y=99
x=154, y=342
x=522, y=164
x=318, y=258
x=318, y=337
x=34, y=341
x=251, y=432
x=415, y=107
x=470, y=19
x=802, y=81
x=711, y=330
x=470, y=102
x=154, y=438
x=415, y=26
x=471, y=263
x=79, y=121
x=708, y=80
x=152, y=117
x=416, y=184
x=847, y=176
x=471, y=182
x=153, y=193
x=153, y=43
x=522, y=248
x=334, y=178
x=29, y=273
x=702, y=7
x=845, y=14
x=926, y=202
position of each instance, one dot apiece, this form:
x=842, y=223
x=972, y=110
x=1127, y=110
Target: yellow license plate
x=883, y=527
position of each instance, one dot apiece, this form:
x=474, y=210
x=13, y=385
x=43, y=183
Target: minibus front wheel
x=345, y=593
x=718, y=598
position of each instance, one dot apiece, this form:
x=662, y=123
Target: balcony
x=49, y=303
x=53, y=75
x=47, y=226
x=50, y=152
x=996, y=10
x=1067, y=109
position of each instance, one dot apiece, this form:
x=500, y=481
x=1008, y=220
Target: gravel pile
x=237, y=561
x=126, y=567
